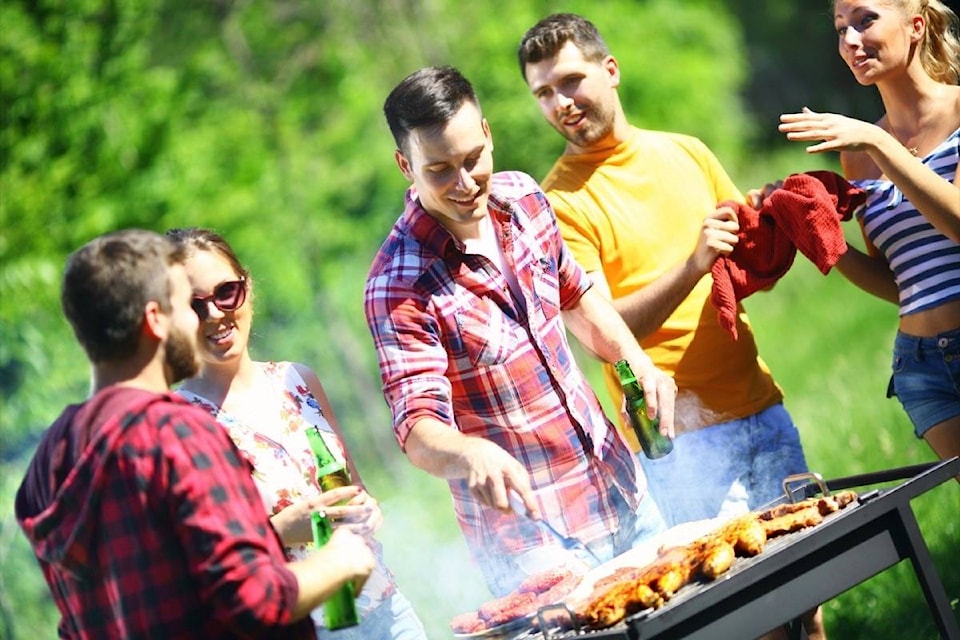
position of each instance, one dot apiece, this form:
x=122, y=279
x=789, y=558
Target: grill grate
x=799, y=571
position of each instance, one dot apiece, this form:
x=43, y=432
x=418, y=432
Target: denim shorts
x=393, y=619
x=926, y=378
x=504, y=573
x=726, y=469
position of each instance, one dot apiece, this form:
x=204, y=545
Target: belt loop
x=918, y=349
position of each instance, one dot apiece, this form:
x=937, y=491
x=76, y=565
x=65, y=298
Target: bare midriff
x=932, y=322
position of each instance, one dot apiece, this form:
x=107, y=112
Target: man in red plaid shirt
x=142, y=514
x=464, y=302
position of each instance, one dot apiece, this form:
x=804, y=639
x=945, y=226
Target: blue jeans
x=504, y=573
x=394, y=619
x=926, y=378
x=727, y=468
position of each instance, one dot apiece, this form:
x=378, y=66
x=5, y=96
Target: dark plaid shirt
x=147, y=524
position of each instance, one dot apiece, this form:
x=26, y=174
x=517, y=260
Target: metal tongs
x=567, y=542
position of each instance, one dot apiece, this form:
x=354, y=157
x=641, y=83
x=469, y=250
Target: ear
x=612, y=67
x=918, y=27
x=403, y=164
x=155, y=323
x=486, y=132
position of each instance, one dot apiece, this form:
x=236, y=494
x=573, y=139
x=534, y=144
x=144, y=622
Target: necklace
x=914, y=151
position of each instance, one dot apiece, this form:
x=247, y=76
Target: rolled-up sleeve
x=412, y=357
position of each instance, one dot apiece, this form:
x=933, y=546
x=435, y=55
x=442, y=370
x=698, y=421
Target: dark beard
x=180, y=356
x=599, y=125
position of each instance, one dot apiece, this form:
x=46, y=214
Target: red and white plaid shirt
x=454, y=345
x=147, y=524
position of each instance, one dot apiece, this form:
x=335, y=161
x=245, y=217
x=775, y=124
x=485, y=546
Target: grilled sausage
x=806, y=517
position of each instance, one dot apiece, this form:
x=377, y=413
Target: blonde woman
x=907, y=160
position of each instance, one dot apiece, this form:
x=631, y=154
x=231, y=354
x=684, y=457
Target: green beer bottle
x=340, y=610
x=655, y=445
x=331, y=473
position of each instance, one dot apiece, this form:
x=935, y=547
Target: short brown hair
x=426, y=98
x=545, y=39
x=107, y=284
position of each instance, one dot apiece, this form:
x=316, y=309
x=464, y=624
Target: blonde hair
x=940, y=47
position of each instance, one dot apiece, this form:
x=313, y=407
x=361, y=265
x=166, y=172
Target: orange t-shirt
x=635, y=211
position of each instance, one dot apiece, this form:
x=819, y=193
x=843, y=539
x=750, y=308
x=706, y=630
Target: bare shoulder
x=309, y=375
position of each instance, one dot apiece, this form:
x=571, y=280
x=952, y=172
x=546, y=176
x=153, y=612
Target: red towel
x=804, y=214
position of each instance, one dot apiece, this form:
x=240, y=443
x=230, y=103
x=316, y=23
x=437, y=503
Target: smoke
x=691, y=413
x=711, y=471
x=425, y=549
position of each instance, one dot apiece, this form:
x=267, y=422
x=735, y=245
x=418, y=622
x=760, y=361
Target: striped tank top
x=925, y=263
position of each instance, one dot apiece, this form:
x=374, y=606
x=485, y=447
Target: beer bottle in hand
x=340, y=610
x=655, y=445
x=331, y=473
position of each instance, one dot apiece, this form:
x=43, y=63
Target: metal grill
x=799, y=571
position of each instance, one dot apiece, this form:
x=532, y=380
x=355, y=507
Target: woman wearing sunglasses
x=267, y=408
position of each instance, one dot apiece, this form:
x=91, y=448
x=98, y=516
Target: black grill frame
x=800, y=571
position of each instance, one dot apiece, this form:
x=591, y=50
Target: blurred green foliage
x=262, y=120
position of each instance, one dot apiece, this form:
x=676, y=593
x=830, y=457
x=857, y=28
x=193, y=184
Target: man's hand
x=718, y=237
x=345, y=558
x=660, y=394
x=356, y=560
x=493, y=472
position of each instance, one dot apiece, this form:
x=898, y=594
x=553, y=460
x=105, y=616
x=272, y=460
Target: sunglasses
x=227, y=296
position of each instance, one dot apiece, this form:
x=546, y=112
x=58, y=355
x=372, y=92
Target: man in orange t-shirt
x=639, y=211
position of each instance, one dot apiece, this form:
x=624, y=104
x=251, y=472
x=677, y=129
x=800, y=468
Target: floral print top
x=271, y=434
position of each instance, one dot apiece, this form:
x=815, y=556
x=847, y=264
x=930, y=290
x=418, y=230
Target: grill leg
x=916, y=549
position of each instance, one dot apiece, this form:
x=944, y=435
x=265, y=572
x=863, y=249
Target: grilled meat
x=469, y=622
x=835, y=502
x=793, y=521
x=745, y=535
x=561, y=589
x=632, y=589
x=717, y=560
x=623, y=574
x=609, y=605
x=510, y=607
x=826, y=505
x=672, y=570
x=541, y=582
x=536, y=591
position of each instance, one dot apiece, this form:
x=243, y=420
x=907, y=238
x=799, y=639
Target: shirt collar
x=434, y=236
